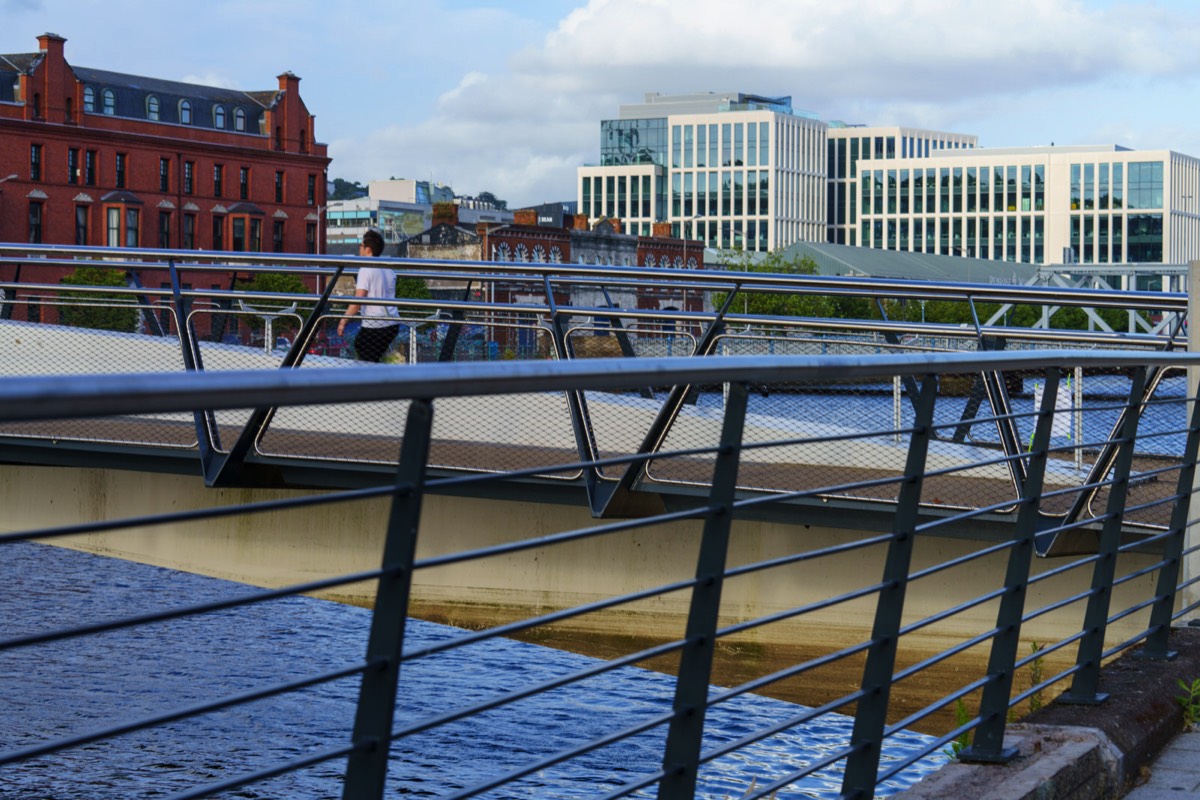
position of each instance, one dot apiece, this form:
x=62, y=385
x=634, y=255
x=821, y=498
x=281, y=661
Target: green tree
x=775, y=304
x=347, y=190
x=107, y=311
x=275, y=283
x=488, y=197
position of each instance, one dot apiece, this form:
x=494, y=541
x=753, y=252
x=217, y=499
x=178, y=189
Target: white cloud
x=930, y=63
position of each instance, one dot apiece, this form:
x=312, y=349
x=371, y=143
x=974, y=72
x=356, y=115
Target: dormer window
x=89, y=100
x=219, y=117
x=239, y=120
x=185, y=112
x=152, y=107
x=110, y=101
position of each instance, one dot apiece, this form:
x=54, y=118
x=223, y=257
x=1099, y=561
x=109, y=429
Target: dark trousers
x=371, y=343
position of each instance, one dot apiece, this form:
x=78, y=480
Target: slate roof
x=131, y=92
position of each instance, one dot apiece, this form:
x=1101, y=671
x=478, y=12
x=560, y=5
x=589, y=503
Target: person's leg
x=371, y=343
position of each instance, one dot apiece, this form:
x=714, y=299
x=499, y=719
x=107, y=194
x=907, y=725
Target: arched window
x=555, y=255
x=522, y=253
x=503, y=253
x=691, y=262
x=650, y=261
x=678, y=262
x=239, y=119
x=303, y=141
x=89, y=100
x=185, y=112
x=539, y=254
x=151, y=106
x=110, y=101
x=219, y=116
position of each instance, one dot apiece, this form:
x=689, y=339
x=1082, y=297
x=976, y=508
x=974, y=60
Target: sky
x=507, y=97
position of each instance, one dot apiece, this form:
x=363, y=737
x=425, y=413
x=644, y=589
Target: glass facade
x=633, y=141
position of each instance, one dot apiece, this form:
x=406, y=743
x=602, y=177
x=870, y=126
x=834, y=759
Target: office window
x=152, y=107
x=35, y=162
x=312, y=190
x=164, y=229
x=89, y=99
x=132, y=222
x=110, y=101
x=164, y=174
x=189, y=177
x=188, y=240
x=218, y=179
x=244, y=183
x=219, y=116
x=120, y=171
x=185, y=112
x=89, y=167
x=278, y=186
x=239, y=119
x=35, y=222
x=81, y=224
x=310, y=238
x=277, y=236
x=218, y=232
x=73, y=165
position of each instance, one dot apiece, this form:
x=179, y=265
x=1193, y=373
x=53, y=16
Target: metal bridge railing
x=529, y=312
x=1125, y=594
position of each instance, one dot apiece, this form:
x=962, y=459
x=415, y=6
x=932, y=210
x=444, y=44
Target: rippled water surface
x=72, y=687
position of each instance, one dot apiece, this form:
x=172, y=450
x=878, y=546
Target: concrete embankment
x=1086, y=752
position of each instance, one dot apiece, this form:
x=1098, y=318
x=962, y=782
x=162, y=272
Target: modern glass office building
x=851, y=144
x=1089, y=205
x=734, y=170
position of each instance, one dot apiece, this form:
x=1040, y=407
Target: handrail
x=725, y=441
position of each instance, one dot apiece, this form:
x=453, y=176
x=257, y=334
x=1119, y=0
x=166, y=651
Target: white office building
x=1089, y=205
x=850, y=144
x=734, y=170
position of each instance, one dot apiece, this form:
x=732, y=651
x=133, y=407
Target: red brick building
x=102, y=158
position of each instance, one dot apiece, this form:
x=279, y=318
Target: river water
x=70, y=687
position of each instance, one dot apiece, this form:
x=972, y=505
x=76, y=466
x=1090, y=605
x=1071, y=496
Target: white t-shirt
x=378, y=282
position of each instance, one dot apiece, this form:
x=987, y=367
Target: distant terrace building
x=101, y=158
x=400, y=208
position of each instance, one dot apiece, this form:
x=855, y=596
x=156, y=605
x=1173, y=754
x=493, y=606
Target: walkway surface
x=1174, y=775
x=1132, y=745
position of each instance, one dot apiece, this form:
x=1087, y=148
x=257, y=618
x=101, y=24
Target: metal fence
x=737, y=460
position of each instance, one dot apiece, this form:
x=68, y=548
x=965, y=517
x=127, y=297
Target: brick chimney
x=580, y=222
x=616, y=225
x=445, y=214
x=660, y=230
x=525, y=216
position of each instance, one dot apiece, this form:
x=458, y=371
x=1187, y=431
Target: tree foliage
x=107, y=311
x=488, y=197
x=775, y=304
x=275, y=283
x=347, y=190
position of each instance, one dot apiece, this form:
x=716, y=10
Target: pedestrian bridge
x=760, y=503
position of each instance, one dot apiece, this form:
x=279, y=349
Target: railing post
x=866, y=741
x=366, y=769
x=1085, y=683
x=988, y=742
x=681, y=756
x=1157, y=646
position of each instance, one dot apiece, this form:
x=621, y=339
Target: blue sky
x=507, y=96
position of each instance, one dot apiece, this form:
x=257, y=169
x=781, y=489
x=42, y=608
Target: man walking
x=380, y=324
